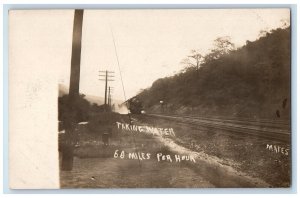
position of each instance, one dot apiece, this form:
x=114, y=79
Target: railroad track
x=268, y=129
x=262, y=123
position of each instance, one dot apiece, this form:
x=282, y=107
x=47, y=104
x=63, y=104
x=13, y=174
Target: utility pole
x=70, y=122
x=110, y=90
x=105, y=88
x=109, y=96
x=76, y=54
x=106, y=76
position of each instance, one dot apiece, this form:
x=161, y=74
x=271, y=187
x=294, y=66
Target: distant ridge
x=64, y=90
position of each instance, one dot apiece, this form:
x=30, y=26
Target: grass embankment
x=91, y=138
x=246, y=154
x=100, y=166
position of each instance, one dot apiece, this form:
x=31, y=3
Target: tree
x=263, y=33
x=285, y=23
x=222, y=46
x=195, y=59
x=80, y=106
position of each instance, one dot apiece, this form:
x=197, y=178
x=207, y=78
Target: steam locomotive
x=135, y=105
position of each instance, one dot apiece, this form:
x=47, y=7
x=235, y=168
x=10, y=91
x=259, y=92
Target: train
x=135, y=106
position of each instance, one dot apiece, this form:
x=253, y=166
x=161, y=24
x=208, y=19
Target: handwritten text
x=146, y=129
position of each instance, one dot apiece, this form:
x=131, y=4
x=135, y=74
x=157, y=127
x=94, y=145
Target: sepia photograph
x=164, y=98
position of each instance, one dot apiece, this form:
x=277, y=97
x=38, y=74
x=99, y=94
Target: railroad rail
x=269, y=129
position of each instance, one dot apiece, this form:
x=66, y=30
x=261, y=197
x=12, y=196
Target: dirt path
x=217, y=171
x=126, y=173
x=214, y=169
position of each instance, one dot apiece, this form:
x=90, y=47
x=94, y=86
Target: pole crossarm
x=107, y=80
x=107, y=76
x=107, y=71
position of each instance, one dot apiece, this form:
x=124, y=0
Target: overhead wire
x=130, y=120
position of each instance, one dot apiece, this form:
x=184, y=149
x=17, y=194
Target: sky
x=150, y=44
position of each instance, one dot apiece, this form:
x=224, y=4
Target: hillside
x=252, y=81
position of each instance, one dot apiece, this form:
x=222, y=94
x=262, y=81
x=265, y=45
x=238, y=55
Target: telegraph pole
x=106, y=76
x=70, y=122
x=110, y=90
x=109, y=96
x=76, y=54
x=105, y=88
